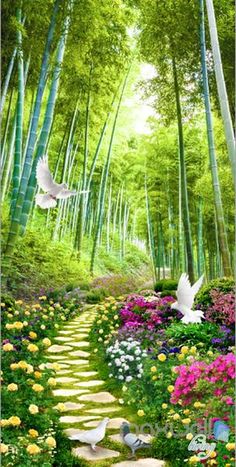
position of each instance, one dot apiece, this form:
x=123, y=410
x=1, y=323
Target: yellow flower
x=12, y=387
x=29, y=369
x=43, y=327
x=33, y=433
x=186, y=412
x=184, y=349
x=164, y=406
x=124, y=388
x=37, y=306
x=56, y=366
x=32, y=348
x=8, y=347
x=197, y=404
x=140, y=413
x=211, y=454
x=170, y=388
x=9, y=326
x=15, y=421
x=14, y=366
x=37, y=387
x=153, y=369
x=33, y=449
x=180, y=356
x=22, y=365
x=27, y=313
x=37, y=374
x=186, y=421
x=210, y=353
x=46, y=342
x=2, y=304
x=18, y=325
x=51, y=442
x=193, y=349
x=60, y=407
x=189, y=436
x=52, y=382
x=154, y=378
x=25, y=323
x=19, y=302
x=33, y=409
x=43, y=297
x=33, y=335
x=212, y=462
x=161, y=357
x=169, y=434
x=4, y=422
x=230, y=446
x=100, y=331
x=3, y=448
x=176, y=416
x=193, y=459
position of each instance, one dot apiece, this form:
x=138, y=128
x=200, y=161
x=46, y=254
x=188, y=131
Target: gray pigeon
x=94, y=436
x=132, y=440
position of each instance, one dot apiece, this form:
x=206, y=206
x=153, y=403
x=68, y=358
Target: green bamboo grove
x=169, y=190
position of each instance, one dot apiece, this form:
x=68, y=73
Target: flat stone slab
x=86, y=374
x=103, y=397
x=72, y=406
x=150, y=461
x=90, y=384
x=101, y=453
x=78, y=362
x=118, y=438
x=104, y=410
x=79, y=344
x=58, y=348
x=79, y=353
x=63, y=339
x=80, y=336
x=68, y=392
x=66, y=332
x=75, y=419
x=65, y=380
x=62, y=365
x=113, y=423
x=63, y=372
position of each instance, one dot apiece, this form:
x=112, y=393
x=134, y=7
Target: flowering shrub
x=125, y=360
x=116, y=284
x=222, y=310
x=29, y=423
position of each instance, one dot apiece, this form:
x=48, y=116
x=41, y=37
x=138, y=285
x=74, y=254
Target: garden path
x=84, y=397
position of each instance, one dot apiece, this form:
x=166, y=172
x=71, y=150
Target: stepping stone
x=90, y=384
x=65, y=332
x=75, y=419
x=58, y=348
x=86, y=374
x=65, y=379
x=63, y=372
x=78, y=362
x=79, y=344
x=72, y=406
x=103, y=397
x=79, y=336
x=62, y=365
x=104, y=410
x=56, y=357
x=113, y=423
x=79, y=353
x=118, y=438
x=101, y=453
x=151, y=462
x=63, y=339
x=68, y=392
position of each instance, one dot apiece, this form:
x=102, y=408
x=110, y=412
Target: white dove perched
x=53, y=190
x=94, y=436
x=185, y=296
x=132, y=440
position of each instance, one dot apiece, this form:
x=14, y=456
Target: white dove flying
x=185, y=296
x=53, y=190
x=94, y=436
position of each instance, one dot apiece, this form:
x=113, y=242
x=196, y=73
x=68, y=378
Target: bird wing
x=185, y=293
x=134, y=442
x=197, y=285
x=44, y=176
x=66, y=194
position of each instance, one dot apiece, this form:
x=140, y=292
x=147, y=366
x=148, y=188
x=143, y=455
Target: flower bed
x=29, y=422
x=187, y=371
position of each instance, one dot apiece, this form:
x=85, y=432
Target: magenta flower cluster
x=220, y=372
x=222, y=310
x=139, y=311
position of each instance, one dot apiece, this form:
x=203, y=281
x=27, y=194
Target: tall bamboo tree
x=222, y=234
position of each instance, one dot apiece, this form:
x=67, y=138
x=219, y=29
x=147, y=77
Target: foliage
x=222, y=310
x=204, y=297
x=191, y=333
x=96, y=295
x=125, y=360
x=165, y=284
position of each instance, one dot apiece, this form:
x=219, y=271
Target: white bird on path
x=185, y=296
x=53, y=190
x=94, y=436
x=132, y=440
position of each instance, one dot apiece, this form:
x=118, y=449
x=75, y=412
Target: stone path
x=85, y=399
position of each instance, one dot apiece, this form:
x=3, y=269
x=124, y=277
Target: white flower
x=139, y=375
x=121, y=377
x=109, y=364
x=128, y=379
x=110, y=375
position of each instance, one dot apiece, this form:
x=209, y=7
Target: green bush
x=192, y=333
x=168, y=293
x=165, y=284
x=96, y=295
x=223, y=285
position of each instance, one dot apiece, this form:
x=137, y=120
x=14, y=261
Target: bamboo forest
x=118, y=196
